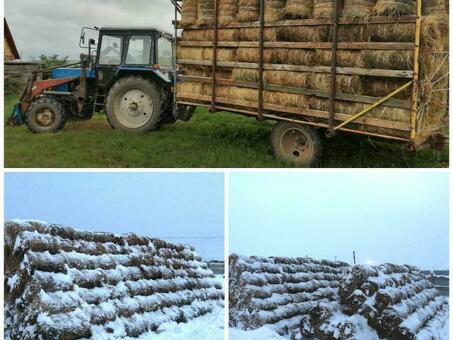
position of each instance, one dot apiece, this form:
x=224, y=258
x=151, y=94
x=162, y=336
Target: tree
x=52, y=61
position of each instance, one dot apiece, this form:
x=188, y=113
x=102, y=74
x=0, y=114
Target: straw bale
x=344, y=83
x=286, y=99
x=205, y=12
x=345, y=58
x=194, y=53
x=287, y=78
x=223, y=54
x=252, y=34
x=223, y=34
x=322, y=8
x=273, y=10
x=304, y=33
x=298, y=9
x=243, y=93
x=394, y=7
x=190, y=87
x=434, y=32
x=248, y=10
x=189, y=12
x=386, y=59
x=382, y=86
x=397, y=32
x=227, y=11
x=439, y=7
x=221, y=91
x=358, y=9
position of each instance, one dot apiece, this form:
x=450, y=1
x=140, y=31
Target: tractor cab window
x=111, y=50
x=165, y=51
x=139, y=50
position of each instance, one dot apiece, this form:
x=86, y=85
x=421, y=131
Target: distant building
x=10, y=53
x=16, y=71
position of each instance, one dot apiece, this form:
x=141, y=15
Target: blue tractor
x=128, y=73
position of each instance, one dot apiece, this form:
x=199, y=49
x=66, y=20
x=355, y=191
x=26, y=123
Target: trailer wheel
x=134, y=104
x=296, y=143
x=45, y=115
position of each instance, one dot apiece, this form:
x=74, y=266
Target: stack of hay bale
x=433, y=111
x=396, y=301
x=64, y=283
x=278, y=291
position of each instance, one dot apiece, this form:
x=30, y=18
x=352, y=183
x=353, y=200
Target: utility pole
x=353, y=255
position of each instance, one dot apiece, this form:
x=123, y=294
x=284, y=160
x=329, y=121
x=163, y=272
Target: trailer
x=271, y=87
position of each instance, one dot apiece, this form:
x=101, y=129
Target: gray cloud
x=53, y=27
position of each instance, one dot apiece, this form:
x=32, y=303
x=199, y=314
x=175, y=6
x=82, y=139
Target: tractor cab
x=128, y=73
x=122, y=50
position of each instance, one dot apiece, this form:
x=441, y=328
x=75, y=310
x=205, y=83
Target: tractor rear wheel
x=134, y=104
x=296, y=143
x=45, y=114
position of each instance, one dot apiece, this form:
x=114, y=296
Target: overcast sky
x=53, y=27
x=179, y=207
x=385, y=217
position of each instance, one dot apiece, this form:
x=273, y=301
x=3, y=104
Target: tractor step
x=99, y=102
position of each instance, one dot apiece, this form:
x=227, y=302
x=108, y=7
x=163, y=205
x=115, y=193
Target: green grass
x=211, y=140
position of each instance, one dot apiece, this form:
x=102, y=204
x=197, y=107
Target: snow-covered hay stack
x=64, y=283
x=391, y=301
x=398, y=301
x=278, y=291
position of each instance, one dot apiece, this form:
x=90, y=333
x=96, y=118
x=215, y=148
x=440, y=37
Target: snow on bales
x=397, y=300
x=278, y=291
x=67, y=283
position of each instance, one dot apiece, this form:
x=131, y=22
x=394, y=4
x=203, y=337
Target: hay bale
x=394, y=7
x=190, y=87
x=220, y=91
x=276, y=56
x=242, y=93
x=298, y=9
x=223, y=54
x=304, y=33
x=345, y=58
x=248, y=10
x=194, y=53
x=223, y=34
x=382, y=86
x=439, y=7
x=245, y=74
x=322, y=8
x=287, y=78
x=344, y=83
x=293, y=57
x=286, y=99
x=189, y=12
x=205, y=10
x=357, y=9
x=252, y=34
x=396, y=32
x=284, y=78
x=273, y=10
x=227, y=12
x=404, y=32
x=386, y=59
x=434, y=33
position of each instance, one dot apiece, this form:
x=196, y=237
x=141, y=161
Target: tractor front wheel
x=134, y=104
x=296, y=143
x=45, y=114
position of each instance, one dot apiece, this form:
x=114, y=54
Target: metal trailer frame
x=293, y=114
